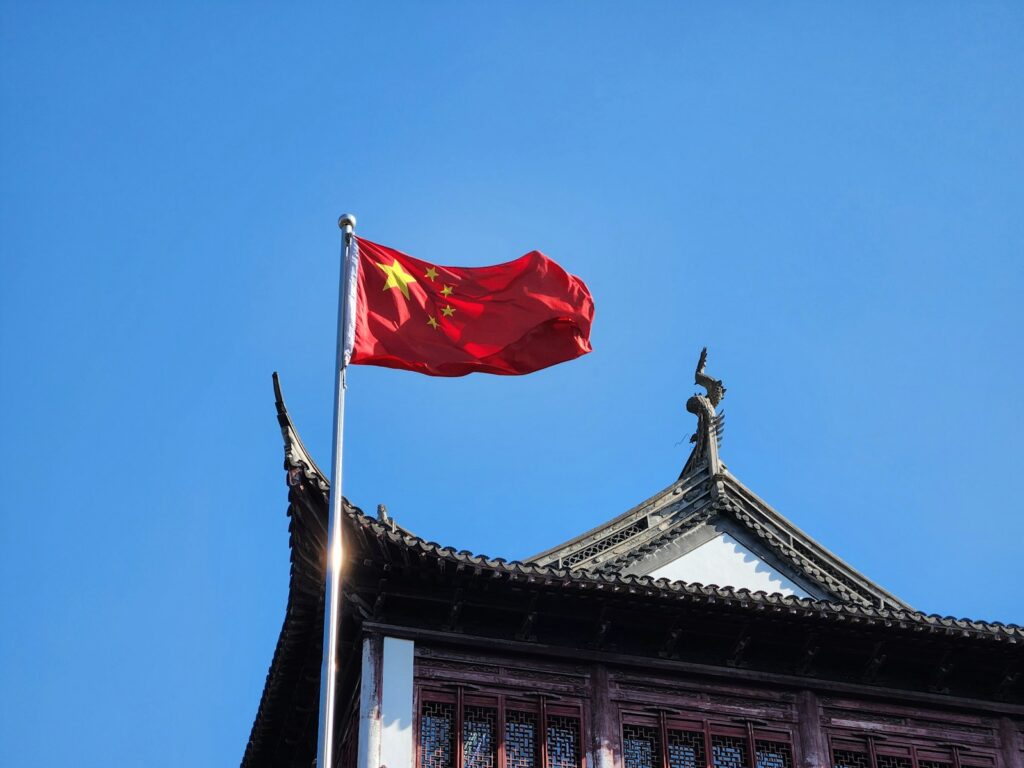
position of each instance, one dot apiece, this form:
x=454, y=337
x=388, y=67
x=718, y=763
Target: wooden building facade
x=618, y=650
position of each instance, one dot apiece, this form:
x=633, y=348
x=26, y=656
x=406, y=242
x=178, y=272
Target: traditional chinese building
x=699, y=629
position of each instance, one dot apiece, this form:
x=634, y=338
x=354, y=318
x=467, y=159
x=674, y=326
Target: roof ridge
x=599, y=531
x=667, y=588
x=832, y=581
x=297, y=458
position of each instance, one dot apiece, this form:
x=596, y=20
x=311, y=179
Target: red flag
x=507, y=319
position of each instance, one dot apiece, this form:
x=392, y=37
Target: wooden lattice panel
x=773, y=754
x=563, y=742
x=479, y=743
x=436, y=735
x=520, y=740
x=640, y=747
x=685, y=749
x=729, y=752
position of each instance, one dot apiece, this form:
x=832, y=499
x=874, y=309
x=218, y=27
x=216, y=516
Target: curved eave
x=294, y=670
x=662, y=589
x=287, y=711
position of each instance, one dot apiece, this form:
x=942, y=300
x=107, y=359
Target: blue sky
x=829, y=196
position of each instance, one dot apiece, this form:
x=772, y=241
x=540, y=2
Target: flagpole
x=332, y=592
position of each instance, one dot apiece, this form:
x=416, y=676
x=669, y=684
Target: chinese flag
x=507, y=319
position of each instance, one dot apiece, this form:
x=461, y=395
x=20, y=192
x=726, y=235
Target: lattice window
x=772, y=754
x=848, y=755
x=669, y=741
x=473, y=729
x=685, y=749
x=729, y=752
x=844, y=758
x=520, y=740
x=563, y=742
x=640, y=747
x=436, y=735
x=479, y=747
x=891, y=761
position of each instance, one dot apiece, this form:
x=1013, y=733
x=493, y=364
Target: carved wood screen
x=876, y=753
x=670, y=742
x=466, y=729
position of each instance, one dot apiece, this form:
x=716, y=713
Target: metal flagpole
x=332, y=593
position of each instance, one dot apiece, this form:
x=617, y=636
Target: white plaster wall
x=727, y=563
x=396, y=742
x=385, y=703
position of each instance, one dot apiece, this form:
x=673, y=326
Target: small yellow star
x=431, y=273
x=432, y=322
x=397, y=277
x=447, y=310
x=446, y=291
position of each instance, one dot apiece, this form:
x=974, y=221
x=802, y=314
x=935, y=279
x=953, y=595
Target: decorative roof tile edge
x=298, y=459
x=617, y=583
x=681, y=487
x=817, y=562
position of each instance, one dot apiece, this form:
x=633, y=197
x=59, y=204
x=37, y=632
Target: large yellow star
x=397, y=277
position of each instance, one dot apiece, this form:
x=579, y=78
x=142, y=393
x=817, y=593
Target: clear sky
x=829, y=196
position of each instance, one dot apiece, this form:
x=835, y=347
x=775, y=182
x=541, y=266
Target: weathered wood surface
x=611, y=691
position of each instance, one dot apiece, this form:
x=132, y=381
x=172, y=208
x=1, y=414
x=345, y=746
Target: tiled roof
x=615, y=583
x=662, y=589
x=287, y=708
x=706, y=492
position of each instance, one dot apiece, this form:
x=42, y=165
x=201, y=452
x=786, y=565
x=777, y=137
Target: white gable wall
x=727, y=563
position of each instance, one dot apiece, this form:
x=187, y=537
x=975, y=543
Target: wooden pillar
x=368, y=755
x=385, y=703
x=604, y=724
x=1009, y=744
x=811, y=740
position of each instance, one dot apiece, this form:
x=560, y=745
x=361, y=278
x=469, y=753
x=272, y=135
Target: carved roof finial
x=710, y=423
x=714, y=387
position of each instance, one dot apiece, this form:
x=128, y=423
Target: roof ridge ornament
x=714, y=387
x=297, y=459
x=710, y=423
x=386, y=519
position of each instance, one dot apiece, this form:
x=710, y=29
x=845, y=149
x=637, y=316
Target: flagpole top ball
x=346, y=220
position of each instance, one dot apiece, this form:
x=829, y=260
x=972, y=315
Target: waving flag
x=508, y=319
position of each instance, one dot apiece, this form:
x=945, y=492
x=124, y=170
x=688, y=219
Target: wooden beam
x=526, y=628
x=735, y=657
x=603, y=624
x=668, y=648
x=1009, y=677
x=805, y=666
x=939, y=675
x=378, y=604
x=874, y=662
x=455, y=611
x=693, y=668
